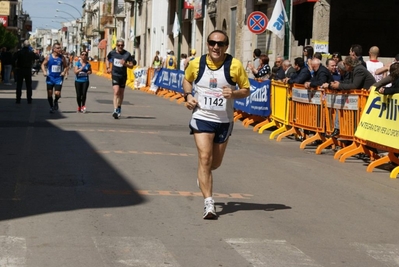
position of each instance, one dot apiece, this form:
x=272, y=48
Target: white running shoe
x=209, y=210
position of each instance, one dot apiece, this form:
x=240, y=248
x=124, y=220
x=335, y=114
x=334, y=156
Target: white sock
x=208, y=199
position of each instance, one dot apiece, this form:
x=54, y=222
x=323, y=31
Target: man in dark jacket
x=361, y=77
x=321, y=75
x=24, y=60
x=302, y=73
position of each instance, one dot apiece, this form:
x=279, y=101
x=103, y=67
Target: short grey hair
x=120, y=41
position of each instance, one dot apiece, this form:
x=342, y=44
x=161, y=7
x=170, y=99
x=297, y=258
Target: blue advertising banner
x=257, y=103
x=170, y=79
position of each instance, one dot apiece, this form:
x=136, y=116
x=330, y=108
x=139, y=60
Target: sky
x=43, y=12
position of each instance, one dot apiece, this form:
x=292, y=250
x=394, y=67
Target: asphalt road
x=89, y=190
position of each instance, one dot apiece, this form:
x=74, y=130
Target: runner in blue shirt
x=82, y=70
x=54, y=67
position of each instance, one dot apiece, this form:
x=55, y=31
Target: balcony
x=107, y=20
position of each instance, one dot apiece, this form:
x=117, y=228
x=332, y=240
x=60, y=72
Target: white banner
x=140, y=77
x=279, y=17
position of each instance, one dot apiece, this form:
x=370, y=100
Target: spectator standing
x=183, y=61
x=170, y=61
x=356, y=51
x=54, y=67
x=7, y=62
x=360, y=78
x=393, y=78
x=302, y=73
x=157, y=61
x=193, y=52
x=307, y=55
x=288, y=69
x=257, y=61
x=121, y=60
x=213, y=78
x=337, y=57
x=277, y=70
x=321, y=75
x=373, y=63
x=24, y=60
x=263, y=71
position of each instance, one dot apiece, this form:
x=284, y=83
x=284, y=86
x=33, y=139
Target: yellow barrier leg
x=278, y=131
x=260, y=124
x=394, y=173
x=267, y=126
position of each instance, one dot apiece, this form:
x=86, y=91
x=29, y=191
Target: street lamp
x=66, y=13
x=60, y=2
x=67, y=20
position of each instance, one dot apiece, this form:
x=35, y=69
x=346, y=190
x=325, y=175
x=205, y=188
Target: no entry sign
x=257, y=22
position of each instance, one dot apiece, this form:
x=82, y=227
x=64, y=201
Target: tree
x=7, y=38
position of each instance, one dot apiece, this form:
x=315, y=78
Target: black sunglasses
x=121, y=45
x=213, y=43
x=83, y=54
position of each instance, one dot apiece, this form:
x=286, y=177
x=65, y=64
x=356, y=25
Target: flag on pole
x=176, y=26
x=114, y=40
x=279, y=17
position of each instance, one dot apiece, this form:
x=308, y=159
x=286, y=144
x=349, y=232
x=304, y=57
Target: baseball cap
x=168, y=51
x=193, y=52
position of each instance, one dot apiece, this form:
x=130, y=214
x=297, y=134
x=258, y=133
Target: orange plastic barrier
x=306, y=112
x=347, y=105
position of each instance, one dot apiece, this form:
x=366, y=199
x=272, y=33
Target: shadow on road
x=45, y=169
x=231, y=207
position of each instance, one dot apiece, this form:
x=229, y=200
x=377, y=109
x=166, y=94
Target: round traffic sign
x=257, y=22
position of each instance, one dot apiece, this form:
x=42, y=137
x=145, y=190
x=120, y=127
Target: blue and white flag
x=279, y=17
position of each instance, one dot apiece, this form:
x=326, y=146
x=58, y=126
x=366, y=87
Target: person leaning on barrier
x=393, y=78
x=213, y=79
x=361, y=77
x=302, y=73
x=288, y=68
x=321, y=75
x=383, y=70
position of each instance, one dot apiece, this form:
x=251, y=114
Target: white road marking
x=386, y=253
x=270, y=253
x=134, y=251
x=12, y=251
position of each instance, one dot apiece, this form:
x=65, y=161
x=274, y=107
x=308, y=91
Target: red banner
x=4, y=20
x=189, y=4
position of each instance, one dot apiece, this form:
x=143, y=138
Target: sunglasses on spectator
x=213, y=43
x=120, y=45
x=83, y=54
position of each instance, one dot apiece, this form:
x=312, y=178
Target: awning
x=297, y=2
x=102, y=44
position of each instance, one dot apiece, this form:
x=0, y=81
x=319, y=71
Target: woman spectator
x=308, y=56
x=336, y=56
x=263, y=72
x=82, y=70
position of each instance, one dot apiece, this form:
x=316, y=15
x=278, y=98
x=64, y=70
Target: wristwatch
x=185, y=96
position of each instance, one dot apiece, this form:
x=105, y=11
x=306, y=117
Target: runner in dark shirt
x=121, y=60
